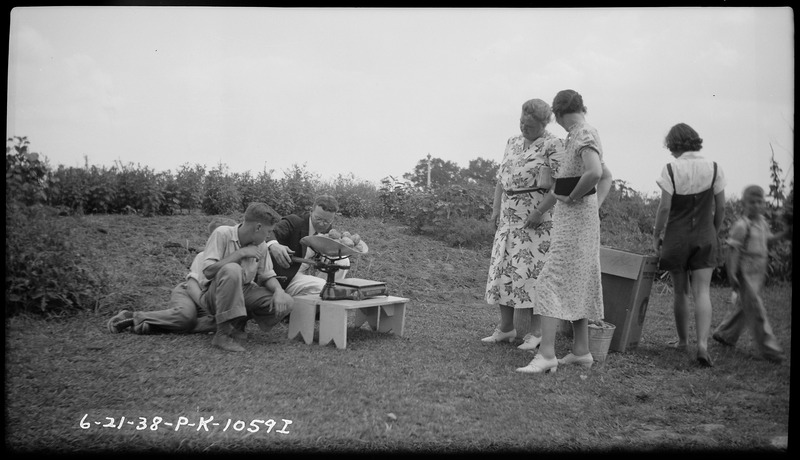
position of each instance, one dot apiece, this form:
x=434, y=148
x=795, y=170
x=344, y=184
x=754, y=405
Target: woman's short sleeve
x=587, y=138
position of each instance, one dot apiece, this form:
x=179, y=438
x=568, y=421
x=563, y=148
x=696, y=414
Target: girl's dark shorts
x=686, y=254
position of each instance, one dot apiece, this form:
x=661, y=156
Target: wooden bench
x=382, y=313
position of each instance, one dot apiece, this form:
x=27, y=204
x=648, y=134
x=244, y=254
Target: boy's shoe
x=238, y=331
x=205, y=324
x=777, y=359
x=719, y=339
x=120, y=322
x=239, y=335
x=226, y=342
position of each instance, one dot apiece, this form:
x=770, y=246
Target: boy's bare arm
x=235, y=257
x=733, y=266
x=281, y=301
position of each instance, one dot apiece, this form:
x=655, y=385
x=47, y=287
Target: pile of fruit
x=346, y=238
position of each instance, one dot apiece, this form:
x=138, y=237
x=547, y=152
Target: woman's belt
x=530, y=190
x=565, y=185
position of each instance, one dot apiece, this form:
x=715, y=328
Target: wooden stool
x=383, y=313
x=302, y=317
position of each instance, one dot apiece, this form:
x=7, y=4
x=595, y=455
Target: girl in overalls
x=692, y=208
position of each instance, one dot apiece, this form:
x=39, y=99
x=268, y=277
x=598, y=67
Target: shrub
x=101, y=190
x=220, y=195
x=463, y=209
x=393, y=194
x=189, y=181
x=138, y=187
x=357, y=198
x=467, y=232
x=271, y=192
x=299, y=190
x=26, y=175
x=44, y=273
x=168, y=185
x=627, y=218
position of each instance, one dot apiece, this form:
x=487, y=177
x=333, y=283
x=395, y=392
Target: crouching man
x=240, y=283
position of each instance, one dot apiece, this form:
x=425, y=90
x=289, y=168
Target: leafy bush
x=138, y=187
x=220, y=195
x=45, y=274
x=627, y=218
x=189, y=182
x=440, y=211
x=467, y=232
x=393, y=194
x=357, y=198
x=299, y=190
x=271, y=192
x=26, y=175
x=170, y=192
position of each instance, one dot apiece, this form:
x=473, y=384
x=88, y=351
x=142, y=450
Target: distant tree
x=778, y=185
x=481, y=171
x=443, y=173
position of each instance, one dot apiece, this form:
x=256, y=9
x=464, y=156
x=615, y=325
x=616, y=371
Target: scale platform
x=360, y=289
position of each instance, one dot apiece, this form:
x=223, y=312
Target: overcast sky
x=372, y=91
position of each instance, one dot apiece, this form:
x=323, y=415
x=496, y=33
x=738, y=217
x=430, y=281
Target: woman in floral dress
x=519, y=249
x=568, y=287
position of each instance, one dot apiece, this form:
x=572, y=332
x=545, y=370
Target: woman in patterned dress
x=568, y=287
x=519, y=248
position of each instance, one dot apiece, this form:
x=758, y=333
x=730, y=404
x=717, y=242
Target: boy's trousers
x=228, y=300
x=748, y=310
x=180, y=316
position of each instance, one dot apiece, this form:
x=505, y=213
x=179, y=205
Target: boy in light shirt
x=749, y=240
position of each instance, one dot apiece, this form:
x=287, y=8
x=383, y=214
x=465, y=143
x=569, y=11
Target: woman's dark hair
x=683, y=138
x=568, y=101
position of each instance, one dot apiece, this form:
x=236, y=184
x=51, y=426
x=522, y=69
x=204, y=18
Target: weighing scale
x=347, y=288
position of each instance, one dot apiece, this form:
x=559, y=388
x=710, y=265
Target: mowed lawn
x=69, y=382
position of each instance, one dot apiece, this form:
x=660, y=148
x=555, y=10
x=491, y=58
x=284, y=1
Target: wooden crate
x=627, y=279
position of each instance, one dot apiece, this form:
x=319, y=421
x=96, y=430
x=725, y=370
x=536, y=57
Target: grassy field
x=437, y=389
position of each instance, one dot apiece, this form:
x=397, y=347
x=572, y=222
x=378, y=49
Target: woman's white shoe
x=540, y=365
x=530, y=342
x=584, y=360
x=498, y=336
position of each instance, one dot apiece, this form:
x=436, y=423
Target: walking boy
x=747, y=268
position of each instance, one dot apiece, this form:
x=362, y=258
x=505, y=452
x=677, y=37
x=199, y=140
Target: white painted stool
x=303, y=316
x=382, y=313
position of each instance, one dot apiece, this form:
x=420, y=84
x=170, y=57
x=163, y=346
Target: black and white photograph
x=313, y=230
